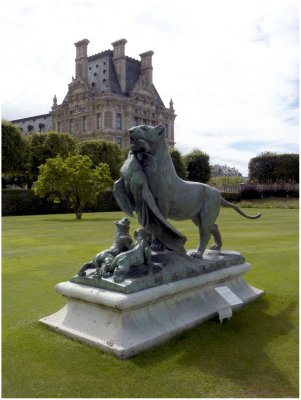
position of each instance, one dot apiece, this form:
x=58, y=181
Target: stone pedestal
x=128, y=323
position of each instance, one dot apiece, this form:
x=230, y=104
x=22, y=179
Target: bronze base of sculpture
x=164, y=267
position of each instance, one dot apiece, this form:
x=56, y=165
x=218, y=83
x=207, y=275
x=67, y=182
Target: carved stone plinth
x=128, y=323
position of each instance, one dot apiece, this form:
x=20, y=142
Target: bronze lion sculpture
x=150, y=186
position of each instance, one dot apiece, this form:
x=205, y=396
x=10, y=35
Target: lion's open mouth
x=139, y=146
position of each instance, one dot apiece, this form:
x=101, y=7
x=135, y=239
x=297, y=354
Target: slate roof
x=132, y=74
x=31, y=118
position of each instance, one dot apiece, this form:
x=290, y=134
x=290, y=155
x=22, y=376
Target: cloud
x=231, y=66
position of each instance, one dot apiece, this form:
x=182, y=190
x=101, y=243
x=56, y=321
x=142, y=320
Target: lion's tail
x=237, y=209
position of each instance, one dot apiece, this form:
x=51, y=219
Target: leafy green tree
x=103, y=151
x=14, y=149
x=124, y=154
x=178, y=162
x=197, y=166
x=49, y=145
x=72, y=179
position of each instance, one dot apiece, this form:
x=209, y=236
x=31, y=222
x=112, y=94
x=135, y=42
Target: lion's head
x=144, y=139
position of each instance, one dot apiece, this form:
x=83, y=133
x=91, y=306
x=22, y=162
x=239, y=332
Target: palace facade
x=109, y=94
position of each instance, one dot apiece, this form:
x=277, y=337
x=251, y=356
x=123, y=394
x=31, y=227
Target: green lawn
x=255, y=354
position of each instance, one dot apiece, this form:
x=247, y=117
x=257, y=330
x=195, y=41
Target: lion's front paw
x=215, y=247
x=157, y=246
x=196, y=254
x=119, y=275
x=107, y=275
x=98, y=274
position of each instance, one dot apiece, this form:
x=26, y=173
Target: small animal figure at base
x=138, y=255
x=122, y=242
x=105, y=269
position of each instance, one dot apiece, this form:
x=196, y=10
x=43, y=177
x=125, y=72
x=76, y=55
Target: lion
x=174, y=198
x=132, y=192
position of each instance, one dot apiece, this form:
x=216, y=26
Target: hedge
x=231, y=196
x=24, y=202
x=269, y=167
x=253, y=191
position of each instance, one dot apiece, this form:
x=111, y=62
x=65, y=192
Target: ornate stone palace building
x=110, y=93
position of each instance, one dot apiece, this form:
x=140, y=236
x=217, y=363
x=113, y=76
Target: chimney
x=119, y=62
x=146, y=67
x=81, y=60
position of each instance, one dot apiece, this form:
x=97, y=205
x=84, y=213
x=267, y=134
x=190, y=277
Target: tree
x=49, y=145
x=272, y=167
x=197, y=166
x=103, y=151
x=73, y=179
x=178, y=162
x=124, y=154
x=14, y=149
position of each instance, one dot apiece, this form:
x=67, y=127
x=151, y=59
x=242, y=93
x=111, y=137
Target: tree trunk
x=78, y=214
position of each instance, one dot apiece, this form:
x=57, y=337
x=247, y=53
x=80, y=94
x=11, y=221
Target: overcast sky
x=230, y=66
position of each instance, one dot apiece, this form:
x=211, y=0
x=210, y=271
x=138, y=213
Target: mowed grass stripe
x=255, y=354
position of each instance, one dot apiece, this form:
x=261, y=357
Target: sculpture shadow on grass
x=235, y=350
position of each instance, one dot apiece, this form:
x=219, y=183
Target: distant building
x=223, y=170
x=110, y=93
x=38, y=123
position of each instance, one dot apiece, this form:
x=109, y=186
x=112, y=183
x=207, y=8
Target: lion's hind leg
x=217, y=238
x=84, y=267
x=205, y=234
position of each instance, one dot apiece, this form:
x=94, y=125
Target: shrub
x=24, y=202
x=253, y=191
x=178, y=162
x=102, y=151
x=272, y=167
x=14, y=149
x=232, y=197
x=197, y=166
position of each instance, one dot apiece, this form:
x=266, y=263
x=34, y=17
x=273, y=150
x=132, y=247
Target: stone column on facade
x=81, y=60
x=119, y=61
x=89, y=124
x=146, y=67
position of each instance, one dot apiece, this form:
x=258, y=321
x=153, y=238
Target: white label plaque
x=228, y=295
